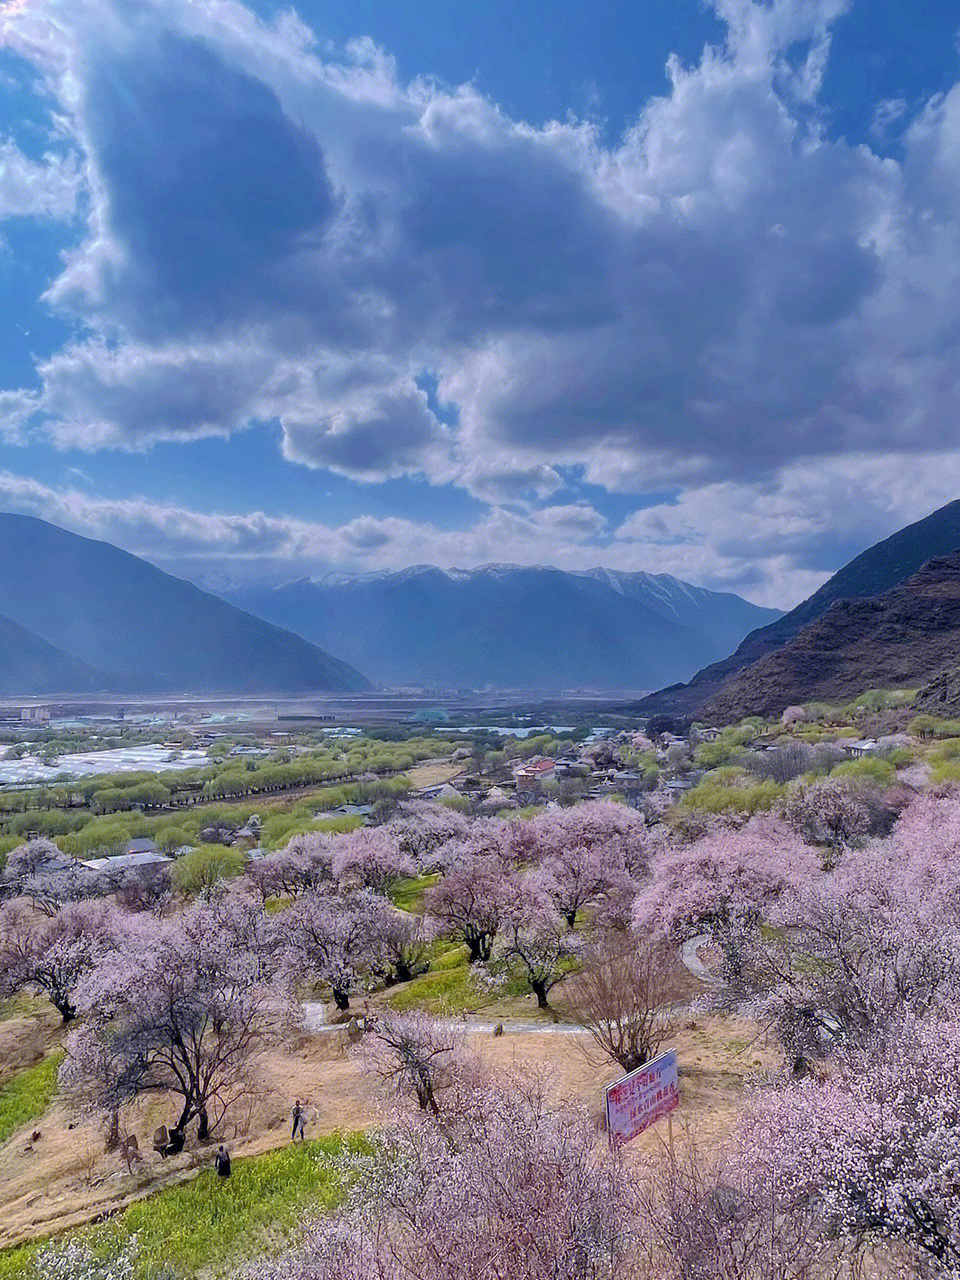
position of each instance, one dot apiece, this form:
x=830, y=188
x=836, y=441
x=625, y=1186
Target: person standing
x=222, y=1161
x=298, y=1123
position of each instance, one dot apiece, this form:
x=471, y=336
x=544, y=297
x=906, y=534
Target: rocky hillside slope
x=896, y=640
x=871, y=573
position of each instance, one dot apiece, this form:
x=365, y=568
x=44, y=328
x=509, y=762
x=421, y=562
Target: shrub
x=867, y=769
x=203, y=867
x=731, y=790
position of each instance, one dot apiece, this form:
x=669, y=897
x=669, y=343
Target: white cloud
x=726, y=301
x=16, y=409
x=47, y=188
x=684, y=304
x=258, y=544
x=778, y=540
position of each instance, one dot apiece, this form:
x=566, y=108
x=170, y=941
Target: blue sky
x=667, y=285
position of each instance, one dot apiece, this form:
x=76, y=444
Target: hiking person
x=222, y=1161
x=298, y=1123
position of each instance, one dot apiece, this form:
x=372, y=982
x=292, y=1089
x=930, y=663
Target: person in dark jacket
x=298, y=1124
x=222, y=1161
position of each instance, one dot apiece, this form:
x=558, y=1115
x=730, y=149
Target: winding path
x=690, y=958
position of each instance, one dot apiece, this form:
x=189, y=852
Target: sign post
x=641, y=1098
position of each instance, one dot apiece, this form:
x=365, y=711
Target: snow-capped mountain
x=510, y=626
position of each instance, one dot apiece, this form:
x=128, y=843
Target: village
x=500, y=773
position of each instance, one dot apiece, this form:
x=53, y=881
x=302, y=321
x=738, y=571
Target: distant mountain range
x=747, y=682
x=508, y=626
x=78, y=615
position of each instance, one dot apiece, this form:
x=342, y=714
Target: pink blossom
x=875, y=1148
x=502, y=1183
x=469, y=901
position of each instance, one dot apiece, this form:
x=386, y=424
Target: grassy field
x=212, y=1225
x=26, y=1096
x=184, y=1217
x=447, y=991
x=408, y=892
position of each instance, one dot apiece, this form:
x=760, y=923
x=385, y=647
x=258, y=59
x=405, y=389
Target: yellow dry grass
x=65, y=1178
x=24, y=1040
x=433, y=772
x=717, y=1056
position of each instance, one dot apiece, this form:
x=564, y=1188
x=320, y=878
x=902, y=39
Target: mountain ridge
x=143, y=629
x=503, y=625
x=30, y=665
x=874, y=570
x=898, y=639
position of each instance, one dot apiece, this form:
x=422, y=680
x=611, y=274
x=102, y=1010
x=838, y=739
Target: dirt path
x=316, y=1022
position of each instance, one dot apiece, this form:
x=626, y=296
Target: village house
x=532, y=772
x=495, y=799
x=131, y=859
x=347, y=811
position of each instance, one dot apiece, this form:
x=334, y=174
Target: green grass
x=16, y=1263
x=212, y=1226
x=445, y=991
x=445, y=954
x=20, y=1006
x=449, y=987
x=408, y=892
x=26, y=1096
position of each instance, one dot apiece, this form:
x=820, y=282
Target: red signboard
x=642, y=1098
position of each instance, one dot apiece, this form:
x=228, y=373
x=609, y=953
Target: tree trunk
x=63, y=1007
x=540, y=991
x=630, y=1061
x=186, y=1115
x=341, y=999
x=203, y=1127
x=113, y=1130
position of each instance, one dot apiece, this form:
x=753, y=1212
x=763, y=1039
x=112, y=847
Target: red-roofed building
x=532, y=771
